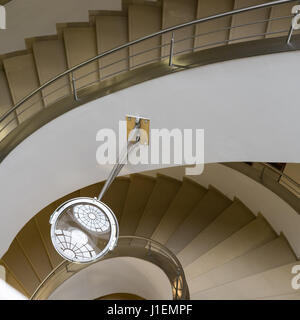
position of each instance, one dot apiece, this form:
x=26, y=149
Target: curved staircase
x=227, y=252
x=45, y=57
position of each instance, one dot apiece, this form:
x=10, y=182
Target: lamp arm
x=122, y=158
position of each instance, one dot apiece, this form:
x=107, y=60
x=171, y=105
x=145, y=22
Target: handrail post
x=74, y=87
x=294, y=25
x=171, y=50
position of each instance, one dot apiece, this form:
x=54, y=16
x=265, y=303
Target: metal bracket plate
x=145, y=128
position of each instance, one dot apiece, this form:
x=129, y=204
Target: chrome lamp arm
x=123, y=156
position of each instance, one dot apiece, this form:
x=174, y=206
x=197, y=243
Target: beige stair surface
x=114, y=197
x=273, y=282
x=177, y=12
x=21, y=268
x=42, y=221
x=32, y=245
x=256, y=233
x=208, y=208
x=273, y=254
x=5, y=105
x=22, y=79
x=274, y=25
x=256, y=31
x=236, y=216
x=139, y=191
x=186, y=199
x=81, y=45
x=210, y=8
x=112, y=31
x=292, y=296
x=50, y=60
x=165, y=189
x=11, y=280
x=144, y=20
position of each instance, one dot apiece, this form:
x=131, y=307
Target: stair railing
x=128, y=246
x=11, y=116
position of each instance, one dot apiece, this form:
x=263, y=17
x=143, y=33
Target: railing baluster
x=171, y=50
x=74, y=87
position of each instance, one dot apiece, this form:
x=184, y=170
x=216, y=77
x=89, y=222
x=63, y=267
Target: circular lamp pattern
x=83, y=230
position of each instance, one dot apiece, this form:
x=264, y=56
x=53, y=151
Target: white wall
x=32, y=18
x=248, y=108
x=116, y=275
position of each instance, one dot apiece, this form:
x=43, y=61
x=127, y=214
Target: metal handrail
x=134, y=42
x=179, y=285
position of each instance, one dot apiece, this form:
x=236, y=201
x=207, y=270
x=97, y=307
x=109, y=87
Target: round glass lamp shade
x=83, y=230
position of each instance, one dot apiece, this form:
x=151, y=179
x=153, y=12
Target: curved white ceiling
x=248, y=108
x=116, y=275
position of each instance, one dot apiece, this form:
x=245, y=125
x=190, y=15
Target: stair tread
x=157, y=204
x=209, y=8
x=116, y=195
x=50, y=60
x=232, y=219
x=271, y=255
x=112, y=31
x=186, y=199
x=19, y=266
x=30, y=240
x=139, y=191
x=251, y=236
x=208, y=208
x=144, y=20
x=22, y=79
x=272, y=282
x=81, y=45
x=5, y=104
x=249, y=17
x=176, y=12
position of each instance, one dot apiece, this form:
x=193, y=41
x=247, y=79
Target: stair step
x=10, y=279
x=91, y=191
x=249, y=17
x=23, y=79
x=273, y=282
x=282, y=24
x=210, y=8
x=176, y=12
x=50, y=59
x=112, y=31
x=30, y=240
x=188, y=196
x=271, y=255
x=139, y=192
x=256, y=233
x=42, y=220
x=208, y=208
x=6, y=104
x=157, y=204
x=144, y=20
x=116, y=196
x=232, y=219
x=20, y=267
x=81, y=45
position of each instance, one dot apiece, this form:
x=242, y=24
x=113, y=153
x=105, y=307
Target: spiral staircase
x=227, y=252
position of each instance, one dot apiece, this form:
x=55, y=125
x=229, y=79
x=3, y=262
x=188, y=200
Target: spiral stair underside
x=226, y=251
